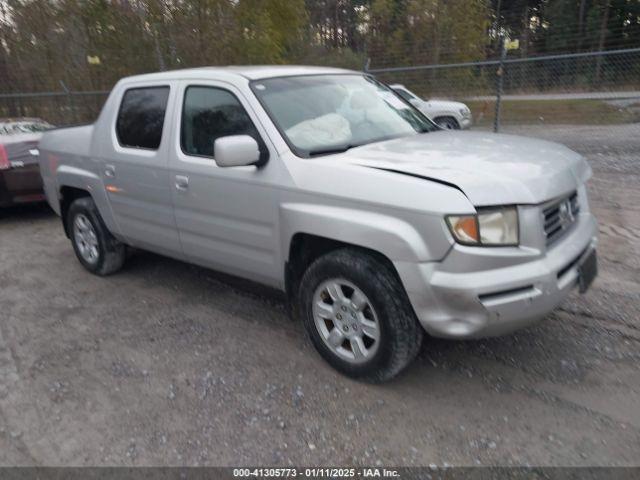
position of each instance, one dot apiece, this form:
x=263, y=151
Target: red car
x=20, y=180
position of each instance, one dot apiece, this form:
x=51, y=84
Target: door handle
x=109, y=171
x=182, y=182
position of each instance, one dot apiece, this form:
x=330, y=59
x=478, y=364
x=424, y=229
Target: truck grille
x=559, y=216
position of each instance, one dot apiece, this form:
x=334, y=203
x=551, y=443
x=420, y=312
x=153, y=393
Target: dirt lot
x=169, y=364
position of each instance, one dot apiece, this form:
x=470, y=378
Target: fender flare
x=392, y=237
x=69, y=176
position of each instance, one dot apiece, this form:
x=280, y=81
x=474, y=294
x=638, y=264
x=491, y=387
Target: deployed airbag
x=330, y=129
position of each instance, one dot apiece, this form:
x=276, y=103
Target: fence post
x=69, y=102
x=499, y=85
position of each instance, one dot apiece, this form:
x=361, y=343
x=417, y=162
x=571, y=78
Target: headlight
x=489, y=227
x=465, y=112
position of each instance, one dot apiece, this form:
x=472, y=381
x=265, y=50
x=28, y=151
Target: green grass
x=559, y=112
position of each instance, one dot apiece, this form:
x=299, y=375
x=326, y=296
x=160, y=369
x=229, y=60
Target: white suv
x=447, y=114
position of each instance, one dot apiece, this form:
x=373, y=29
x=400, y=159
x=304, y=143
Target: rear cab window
x=141, y=117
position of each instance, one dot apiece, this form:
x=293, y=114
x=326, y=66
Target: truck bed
x=68, y=146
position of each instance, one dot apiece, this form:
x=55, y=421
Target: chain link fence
x=593, y=88
x=58, y=108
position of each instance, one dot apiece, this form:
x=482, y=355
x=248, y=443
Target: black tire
x=111, y=252
x=448, y=123
x=400, y=333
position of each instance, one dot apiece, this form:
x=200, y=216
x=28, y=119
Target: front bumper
x=465, y=122
x=476, y=292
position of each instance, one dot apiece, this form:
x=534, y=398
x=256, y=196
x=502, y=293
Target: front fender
x=393, y=237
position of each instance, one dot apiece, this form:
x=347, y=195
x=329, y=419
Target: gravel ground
x=170, y=364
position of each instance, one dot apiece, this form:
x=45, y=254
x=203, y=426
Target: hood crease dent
x=415, y=175
x=490, y=169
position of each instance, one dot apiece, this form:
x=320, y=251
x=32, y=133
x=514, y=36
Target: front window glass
x=209, y=113
x=322, y=114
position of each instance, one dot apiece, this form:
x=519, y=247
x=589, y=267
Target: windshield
x=322, y=114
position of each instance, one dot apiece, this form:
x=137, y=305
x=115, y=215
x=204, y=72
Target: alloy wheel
x=346, y=320
x=85, y=238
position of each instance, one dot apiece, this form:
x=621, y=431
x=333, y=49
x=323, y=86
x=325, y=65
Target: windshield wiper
x=329, y=150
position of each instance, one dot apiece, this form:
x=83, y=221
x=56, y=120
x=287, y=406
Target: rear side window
x=141, y=117
x=209, y=113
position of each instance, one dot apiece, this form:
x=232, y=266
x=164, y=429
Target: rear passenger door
x=226, y=216
x=136, y=170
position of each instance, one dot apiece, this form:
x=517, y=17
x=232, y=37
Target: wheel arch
x=310, y=231
x=68, y=195
x=447, y=116
x=75, y=183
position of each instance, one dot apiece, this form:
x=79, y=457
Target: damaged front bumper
x=478, y=292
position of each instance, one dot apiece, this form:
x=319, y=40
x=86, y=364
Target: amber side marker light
x=464, y=228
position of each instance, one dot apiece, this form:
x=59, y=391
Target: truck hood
x=490, y=169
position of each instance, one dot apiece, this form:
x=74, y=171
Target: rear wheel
x=97, y=250
x=358, y=315
x=448, y=123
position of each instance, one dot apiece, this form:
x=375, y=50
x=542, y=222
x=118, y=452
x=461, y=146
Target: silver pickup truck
x=323, y=182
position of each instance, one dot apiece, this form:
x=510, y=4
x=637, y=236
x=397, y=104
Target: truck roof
x=250, y=72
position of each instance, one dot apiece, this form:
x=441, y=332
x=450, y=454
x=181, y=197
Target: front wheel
x=358, y=315
x=97, y=250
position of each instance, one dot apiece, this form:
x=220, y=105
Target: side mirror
x=236, y=151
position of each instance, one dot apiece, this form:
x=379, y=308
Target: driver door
x=226, y=217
